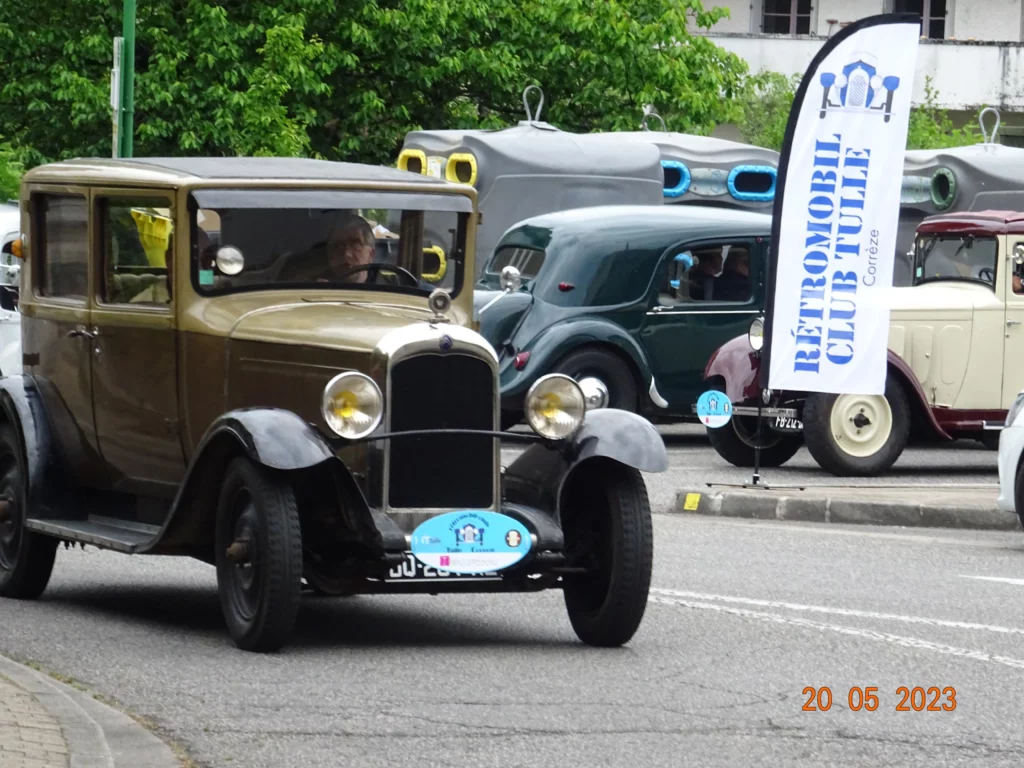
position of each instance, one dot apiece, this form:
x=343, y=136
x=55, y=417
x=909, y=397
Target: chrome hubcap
x=595, y=392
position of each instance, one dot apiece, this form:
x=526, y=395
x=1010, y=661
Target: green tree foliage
x=931, y=128
x=347, y=79
x=10, y=173
x=768, y=97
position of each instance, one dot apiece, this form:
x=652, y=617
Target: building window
x=932, y=13
x=786, y=17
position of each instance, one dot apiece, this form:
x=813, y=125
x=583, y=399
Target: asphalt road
x=743, y=617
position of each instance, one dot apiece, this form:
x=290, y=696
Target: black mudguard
x=537, y=477
x=274, y=438
x=48, y=490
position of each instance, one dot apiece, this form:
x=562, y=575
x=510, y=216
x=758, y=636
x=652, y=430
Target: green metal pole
x=126, y=128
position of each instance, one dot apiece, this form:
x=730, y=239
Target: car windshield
x=955, y=257
x=264, y=239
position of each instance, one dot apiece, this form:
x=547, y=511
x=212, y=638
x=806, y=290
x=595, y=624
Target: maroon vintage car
x=956, y=360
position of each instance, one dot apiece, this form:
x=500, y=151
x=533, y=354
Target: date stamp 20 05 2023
x=917, y=699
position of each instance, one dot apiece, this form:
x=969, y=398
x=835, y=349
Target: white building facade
x=971, y=49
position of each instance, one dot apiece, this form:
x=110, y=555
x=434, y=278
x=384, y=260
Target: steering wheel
x=402, y=271
x=987, y=274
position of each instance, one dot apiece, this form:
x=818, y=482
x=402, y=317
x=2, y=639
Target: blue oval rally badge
x=714, y=409
x=470, y=541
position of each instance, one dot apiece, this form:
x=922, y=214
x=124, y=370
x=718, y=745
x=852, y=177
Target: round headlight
x=755, y=335
x=555, y=406
x=352, y=405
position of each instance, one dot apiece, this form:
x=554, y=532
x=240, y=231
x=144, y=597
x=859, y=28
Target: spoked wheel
x=606, y=520
x=735, y=442
x=26, y=558
x=259, y=556
x=857, y=434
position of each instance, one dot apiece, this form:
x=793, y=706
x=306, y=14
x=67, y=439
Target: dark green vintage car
x=628, y=300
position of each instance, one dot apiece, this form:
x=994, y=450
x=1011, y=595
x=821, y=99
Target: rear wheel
x=606, y=372
x=735, y=442
x=259, y=556
x=857, y=435
x=26, y=558
x=607, y=524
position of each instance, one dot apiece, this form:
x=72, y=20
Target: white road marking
x=1004, y=579
x=867, y=634
x=838, y=611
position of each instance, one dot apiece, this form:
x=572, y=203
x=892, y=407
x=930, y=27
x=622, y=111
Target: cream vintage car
x=956, y=360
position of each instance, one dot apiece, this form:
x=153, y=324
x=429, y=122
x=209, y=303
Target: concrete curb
x=916, y=506
x=97, y=736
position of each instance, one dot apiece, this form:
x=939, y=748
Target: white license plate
x=784, y=422
x=413, y=570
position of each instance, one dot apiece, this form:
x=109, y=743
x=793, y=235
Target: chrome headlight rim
x=546, y=381
x=755, y=334
x=334, y=386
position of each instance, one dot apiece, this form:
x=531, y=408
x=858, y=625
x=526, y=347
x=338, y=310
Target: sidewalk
x=29, y=736
x=935, y=505
x=47, y=724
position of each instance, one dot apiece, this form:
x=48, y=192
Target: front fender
x=559, y=339
x=48, y=486
x=739, y=366
x=276, y=439
x=537, y=477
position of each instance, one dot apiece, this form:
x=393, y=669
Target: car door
x=694, y=312
x=56, y=326
x=134, y=368
x=1011, y=284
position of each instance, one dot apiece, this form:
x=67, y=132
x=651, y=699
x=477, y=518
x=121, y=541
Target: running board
x=103, y=532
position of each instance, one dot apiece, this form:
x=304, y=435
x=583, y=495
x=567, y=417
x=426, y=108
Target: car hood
x=501, y=317
x=348, y=326
x=940, y=299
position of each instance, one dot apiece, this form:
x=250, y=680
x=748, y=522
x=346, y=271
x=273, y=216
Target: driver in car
x=350, y=244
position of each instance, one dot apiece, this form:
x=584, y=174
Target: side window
x=138, y=250
x=714, y=273
x=63, y=250
x=527, y=260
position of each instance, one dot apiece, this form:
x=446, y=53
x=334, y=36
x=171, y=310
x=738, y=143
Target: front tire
x=857, y=435
x=26, y=557
x=735, y=443
x=260, y=581
x=607, y=524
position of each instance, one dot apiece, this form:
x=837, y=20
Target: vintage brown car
x=216, y=367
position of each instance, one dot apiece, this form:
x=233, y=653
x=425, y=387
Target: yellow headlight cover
x=352, y=405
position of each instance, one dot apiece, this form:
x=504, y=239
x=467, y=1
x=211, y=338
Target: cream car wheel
x=861, y=424
x=859, y=435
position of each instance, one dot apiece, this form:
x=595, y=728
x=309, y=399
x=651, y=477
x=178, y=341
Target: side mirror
x=1018, y=253
x=511, y=279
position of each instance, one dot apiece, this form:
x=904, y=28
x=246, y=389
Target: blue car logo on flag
x=858, y=87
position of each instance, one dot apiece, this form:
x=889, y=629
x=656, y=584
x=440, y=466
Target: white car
x=1011, y=471
x=10, y=319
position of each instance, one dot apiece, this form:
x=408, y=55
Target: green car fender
x=558, y=340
